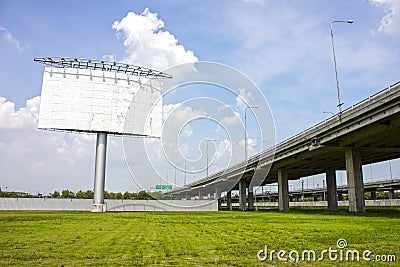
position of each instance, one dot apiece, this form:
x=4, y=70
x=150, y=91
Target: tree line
x=88, y=194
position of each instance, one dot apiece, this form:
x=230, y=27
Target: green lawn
x=191, y=239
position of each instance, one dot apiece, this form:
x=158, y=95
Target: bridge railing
x=280, y=146
x=387, y=89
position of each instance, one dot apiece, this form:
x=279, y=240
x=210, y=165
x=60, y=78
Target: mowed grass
x=224, y=238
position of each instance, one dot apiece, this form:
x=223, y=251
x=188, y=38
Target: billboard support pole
x=100, y=173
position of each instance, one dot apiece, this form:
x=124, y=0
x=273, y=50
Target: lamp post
x=175, y=176
x=334, y=61
x=328, y=112
x=184, y=181
x=245, y=131
x=208, y=140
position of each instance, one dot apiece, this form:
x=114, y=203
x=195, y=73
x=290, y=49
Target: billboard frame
x=101, y=142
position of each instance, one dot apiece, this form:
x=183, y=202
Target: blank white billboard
x=100, y=101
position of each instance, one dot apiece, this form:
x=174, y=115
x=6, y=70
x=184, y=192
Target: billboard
x=88, y=100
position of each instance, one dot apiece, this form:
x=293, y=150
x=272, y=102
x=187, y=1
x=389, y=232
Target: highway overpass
x=319, y=192
x=367, y=132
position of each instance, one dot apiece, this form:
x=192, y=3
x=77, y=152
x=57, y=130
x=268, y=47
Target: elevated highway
x=320, y=192
x=367, y=132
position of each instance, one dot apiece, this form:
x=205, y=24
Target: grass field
x=192, y=239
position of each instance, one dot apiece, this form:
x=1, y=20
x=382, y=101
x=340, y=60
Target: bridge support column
x=217, y=197
x=283, y=190
x=229, y=200
x=331, y=189
x=242, y=194
x=373, y=195
x=391, y=194
x=354, y=181
x=250, y=198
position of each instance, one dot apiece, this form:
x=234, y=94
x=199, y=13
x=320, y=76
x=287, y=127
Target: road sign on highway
x=163, y=187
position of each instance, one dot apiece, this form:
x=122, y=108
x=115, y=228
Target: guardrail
x=296, y=138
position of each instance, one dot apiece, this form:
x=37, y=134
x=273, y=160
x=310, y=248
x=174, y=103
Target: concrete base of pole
x=98, y=208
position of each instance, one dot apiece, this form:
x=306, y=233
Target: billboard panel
x=100, y=101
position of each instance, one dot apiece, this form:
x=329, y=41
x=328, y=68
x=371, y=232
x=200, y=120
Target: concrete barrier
x=111, y=204
x=368, y=203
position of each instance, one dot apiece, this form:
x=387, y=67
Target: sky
x=284, y=47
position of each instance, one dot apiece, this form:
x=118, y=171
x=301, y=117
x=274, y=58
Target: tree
x=55, y=194
x=67, y=194
x=80, y=194
x=143, y=195
x=89, y=194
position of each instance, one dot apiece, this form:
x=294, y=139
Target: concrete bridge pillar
x=229, y=200
x=373, y=195
x=391, y=194
x=250, y=198
x=331, y=188
x=355, y=181
x=217, y=196
x=242, y=194
x=283, y=190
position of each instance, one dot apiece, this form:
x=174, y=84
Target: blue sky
x=283, y=46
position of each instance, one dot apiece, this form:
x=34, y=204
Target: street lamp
x=184, y=181
x=334, y=60
x=208, y=140
x=328, y=112
x=245, y=131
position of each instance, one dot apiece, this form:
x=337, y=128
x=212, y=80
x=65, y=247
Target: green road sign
x=163, y=187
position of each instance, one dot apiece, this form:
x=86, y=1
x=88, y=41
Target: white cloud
x=11, y=39
x=390, y=23
x=110, y=58
x=38, y=160
x=24, y=118
x=231, y=120
x=148, y=45
x=243, y=98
